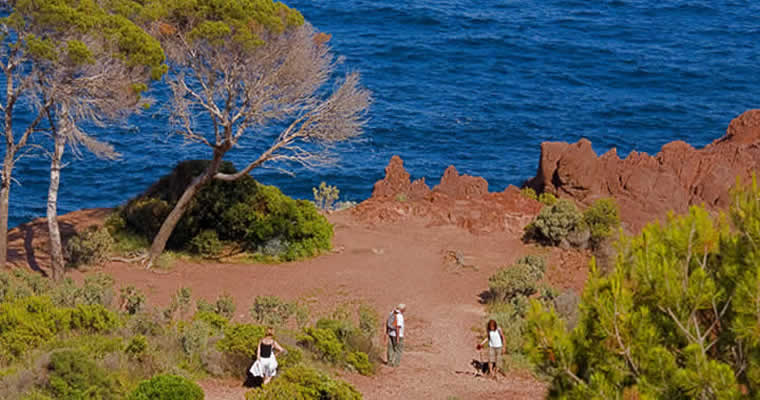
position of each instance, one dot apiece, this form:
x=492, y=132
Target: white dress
x=265, y=366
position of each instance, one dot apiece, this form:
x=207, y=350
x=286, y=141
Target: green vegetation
x=529, y=193
x=90, y=247
x=242, y=215
x=74, y=341
x=167, y=387
x=560, y=223
x=306, y=383
x=325, y=196
x=676, y=319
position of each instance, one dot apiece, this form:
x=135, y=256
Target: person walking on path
x=394, y=330
x=495, y=339
x=266, y=363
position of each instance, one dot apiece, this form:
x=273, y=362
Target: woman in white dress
x=266, y=362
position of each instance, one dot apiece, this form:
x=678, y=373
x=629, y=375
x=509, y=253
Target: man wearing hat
x=395, y=331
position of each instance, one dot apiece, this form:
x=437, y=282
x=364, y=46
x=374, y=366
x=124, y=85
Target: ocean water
x=478, y=85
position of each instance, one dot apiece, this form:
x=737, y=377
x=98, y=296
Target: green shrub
x=211, y=319
x=368, y=320
x=325, y=196
x=519, y=279
x=136, y=347
x=529, y=193
x=241, y=339
x=360, y=362
x=73, y=376
x=27, y=323
x=271, y=310
x=194, y=338
x=167, y=387
x=149, y=323
x=132, y=300
x=180, y=301
x=256, y=217
x=91, y=247
x=323, y=342
x=602, y=218
x=547, y=199
x=97, y=289
x=676, y=319
x=304, y=383
x=92, y=318
x=554, y=223
x=207, y=244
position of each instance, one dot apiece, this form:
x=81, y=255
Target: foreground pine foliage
x=678, y=318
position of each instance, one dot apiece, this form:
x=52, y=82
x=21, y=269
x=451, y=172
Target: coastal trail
x=380, y=265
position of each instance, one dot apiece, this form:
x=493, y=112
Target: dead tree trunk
x=159, y=242
x=56, y=250
x=5, y=189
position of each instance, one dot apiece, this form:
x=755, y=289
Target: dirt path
x=381, y=266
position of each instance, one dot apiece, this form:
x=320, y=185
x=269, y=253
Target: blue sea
x=478, y=85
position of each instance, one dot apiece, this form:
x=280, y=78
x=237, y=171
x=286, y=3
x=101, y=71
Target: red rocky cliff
x=461, y=200
x=647, y=187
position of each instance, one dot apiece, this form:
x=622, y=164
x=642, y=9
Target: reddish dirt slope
x=647, y=187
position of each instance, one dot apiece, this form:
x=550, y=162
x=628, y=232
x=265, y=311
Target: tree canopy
x=679, y=318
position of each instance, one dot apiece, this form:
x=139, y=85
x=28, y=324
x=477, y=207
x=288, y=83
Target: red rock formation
x=647, y=187
x=461, y=200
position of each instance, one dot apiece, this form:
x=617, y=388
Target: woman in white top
x=266, y=363
x=495, y=339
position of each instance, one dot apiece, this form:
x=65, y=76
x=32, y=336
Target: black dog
x=481, y=367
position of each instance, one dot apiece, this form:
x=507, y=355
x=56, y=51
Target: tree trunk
x=159, y=242
x=5, y=189
x=56, y=251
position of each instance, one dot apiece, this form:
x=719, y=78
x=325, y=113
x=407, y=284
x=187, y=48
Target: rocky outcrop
x=647, y=187
x=461, y=200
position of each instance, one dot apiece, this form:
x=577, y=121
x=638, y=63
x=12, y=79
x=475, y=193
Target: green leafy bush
x=167, y=387
x=676, y=318
x=323, y=342
x=92, y=318
x=325, y=195
x=368, y=320
x=211, y=319
x=90, y=247
x=529, y=193
x=547, y=199
x=554, y=223
x=97, y=289
x=271, y=310
x=256, y=217
x=519, y=279
x=136, y=347
x=224, y=306
x=360, y=362
x=73, y=376
x=301, y=382
x=602, y=218
x=207, y=244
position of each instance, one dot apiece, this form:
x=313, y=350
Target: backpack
x=390, y=324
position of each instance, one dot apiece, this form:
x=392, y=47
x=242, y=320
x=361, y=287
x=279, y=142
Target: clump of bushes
x=676, y=318
x=167, y=387
x=519, y=279
x=340, y=342
x=90, y=247
x=561, y=223
x=271, y=310
x=325, y=195
x=302, y=382
x=71, y=375
x=243, y=213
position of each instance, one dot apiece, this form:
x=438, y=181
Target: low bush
x=325, y=195
x=338, y=341
x=90, y=247
x=602, y=218
x=301, y=382
x=136, y=347
x=547, y=199
x=359, y=361
x=271, y=310
x=529, y=193
x=324, y=343
x=554, y=223
x=224, y=306
x=368, y=320
x=256, y=217
x=167, y=387
x=519, y=279
x=73, y=376
x=207, y=244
